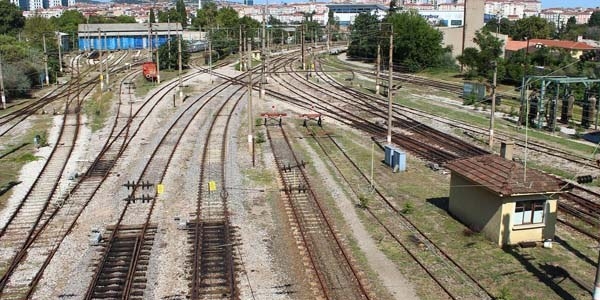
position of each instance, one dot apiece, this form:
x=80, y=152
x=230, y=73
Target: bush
x=260, y=137
x=363, y=201
x=408, y=208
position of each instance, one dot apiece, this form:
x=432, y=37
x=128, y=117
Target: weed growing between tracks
x=97, y=109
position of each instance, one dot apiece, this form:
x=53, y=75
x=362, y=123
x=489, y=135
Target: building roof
x=570, y=45
x=505, y=177
x=515, y=45
x=126, y=29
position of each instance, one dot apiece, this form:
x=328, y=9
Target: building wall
x=452, y=37
x=474, y=11
x=475, y=206
x=512, y=234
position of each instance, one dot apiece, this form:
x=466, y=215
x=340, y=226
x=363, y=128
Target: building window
x=456, y=22
x=529, y=212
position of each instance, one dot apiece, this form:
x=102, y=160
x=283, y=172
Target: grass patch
x=97, y=109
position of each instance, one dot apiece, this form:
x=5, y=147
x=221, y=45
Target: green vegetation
x=97, y=109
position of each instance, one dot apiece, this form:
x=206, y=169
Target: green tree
x=364, y=36
x=207, y=16
x=169, y=56
x=227, y=17
x=278, y=33
x=480, y=62
x=532, y=28
x=180, y=7
x=152, y=17
x=125, y=19
x=416, y=44
x=171, y=16
x=594, y=19
x=11, y=18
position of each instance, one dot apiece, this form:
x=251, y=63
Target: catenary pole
x=2, y=86
x=389, y=134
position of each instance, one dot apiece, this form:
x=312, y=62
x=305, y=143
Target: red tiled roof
x=571, y=45
x=515, y=45
x=504, y=177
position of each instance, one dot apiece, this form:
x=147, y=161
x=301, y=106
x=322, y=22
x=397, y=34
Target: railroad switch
x=301, y=188
x=289, y=167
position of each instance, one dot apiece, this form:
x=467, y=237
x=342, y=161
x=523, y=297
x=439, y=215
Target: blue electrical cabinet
x=399, y=160
x=389, y=153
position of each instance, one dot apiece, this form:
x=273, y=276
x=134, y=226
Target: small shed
x=503, y=200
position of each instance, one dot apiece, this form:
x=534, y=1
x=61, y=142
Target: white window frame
x=529, y=213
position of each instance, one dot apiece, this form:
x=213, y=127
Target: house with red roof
x=501, y=199
x=532, y=45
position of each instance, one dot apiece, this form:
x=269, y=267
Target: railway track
x=330, y=263
x=584, y=207
x=18, y=114
x=448, y=275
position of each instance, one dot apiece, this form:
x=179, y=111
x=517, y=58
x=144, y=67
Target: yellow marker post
x=212, y=186
x=160, y=188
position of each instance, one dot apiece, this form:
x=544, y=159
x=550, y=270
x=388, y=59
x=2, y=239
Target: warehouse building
x=125, y=36
x=497, y=197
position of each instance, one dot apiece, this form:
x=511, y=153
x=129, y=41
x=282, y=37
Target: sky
x=570, y=3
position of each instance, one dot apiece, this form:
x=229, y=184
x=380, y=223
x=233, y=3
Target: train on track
x=149, y=70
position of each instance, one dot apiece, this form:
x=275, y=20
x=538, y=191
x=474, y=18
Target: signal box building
x=495, y=196
x=125, y=36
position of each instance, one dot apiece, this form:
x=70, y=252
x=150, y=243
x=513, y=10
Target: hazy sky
x=570, y=3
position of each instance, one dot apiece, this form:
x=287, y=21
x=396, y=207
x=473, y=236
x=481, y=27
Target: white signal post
x=2, y=86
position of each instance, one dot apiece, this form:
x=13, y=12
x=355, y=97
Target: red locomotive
x=149, y=70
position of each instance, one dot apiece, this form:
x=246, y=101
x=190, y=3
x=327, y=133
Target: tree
x=416, y=44
x=364, y=36
x=393, y=7
x=207, y=16
x=11, y=18
x=170, y=15
x=227, y=17
x=68, y=21
x=532, y=28
x=169, y=56
x=594, y=19
x=180, y=7
x=152, y=17
x=481, y=61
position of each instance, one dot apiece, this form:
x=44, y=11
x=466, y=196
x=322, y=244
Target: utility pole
x=250, y=125
x=302, y=41
x=210, y=56
x=100, y=58
x=493, y=110
x=2, y=86
x=263, y=54
x=169, y=40
x=597, y=282
x=149, y=40
x=179, y=59
x=389, y=135
x=157, y=61
x=106, y=47
x=45, y=60
x=59, y=43
x=377, y=68
x=240, y=51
